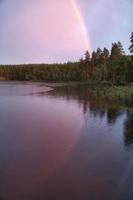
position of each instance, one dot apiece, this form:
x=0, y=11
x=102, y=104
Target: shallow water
x=62, y=144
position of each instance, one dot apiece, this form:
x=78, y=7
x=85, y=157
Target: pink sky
x=45, y=30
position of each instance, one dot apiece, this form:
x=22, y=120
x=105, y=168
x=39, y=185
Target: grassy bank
x=118, y=94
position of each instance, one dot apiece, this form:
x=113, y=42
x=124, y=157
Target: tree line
x=115, y=66
x=102, y=66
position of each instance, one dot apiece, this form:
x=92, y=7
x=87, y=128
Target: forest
x=101, y=67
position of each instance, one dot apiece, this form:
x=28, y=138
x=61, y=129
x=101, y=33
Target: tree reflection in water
x=97, y=107
x=128, y=129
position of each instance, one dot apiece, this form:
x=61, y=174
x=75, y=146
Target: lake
x=62, y=144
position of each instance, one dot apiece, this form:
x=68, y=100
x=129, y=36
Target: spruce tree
x=116, y=54
x=87, y=64
x=87, y=57
x=120, y=46
x=131, y=46
x=93, y=60
x=98, y=53
x=106, y=53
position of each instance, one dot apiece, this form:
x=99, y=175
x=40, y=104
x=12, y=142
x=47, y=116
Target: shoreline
x=117, y=94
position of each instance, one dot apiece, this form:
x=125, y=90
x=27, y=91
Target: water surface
x=62, y=144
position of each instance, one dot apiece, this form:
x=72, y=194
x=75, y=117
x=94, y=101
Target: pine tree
x=105, y=59
x=131, y=40
x=106, y=53
x=98, y=53
x=116, y=54
x=120, y=46
x=88, y=64
x=93, y=60
x=87, y=57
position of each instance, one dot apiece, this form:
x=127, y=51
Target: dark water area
x=63, y=144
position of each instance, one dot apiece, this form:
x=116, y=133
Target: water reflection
x=97, y=107
x=112, y=115
x=128, y=129
x=63, y=144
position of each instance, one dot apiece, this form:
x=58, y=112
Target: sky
x=49, y=31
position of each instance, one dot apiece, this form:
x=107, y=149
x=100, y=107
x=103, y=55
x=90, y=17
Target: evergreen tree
x=87, y=57
x=106, y=53
x=98, y=53
x=87, y=64
x=105, y=59
x=120, y=46
x=131, y=40
x=93, y=60
x=116, y=54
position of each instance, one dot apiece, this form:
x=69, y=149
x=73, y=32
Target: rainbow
x=80, y=18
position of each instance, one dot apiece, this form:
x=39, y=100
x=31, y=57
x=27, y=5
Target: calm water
x=63, y=145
